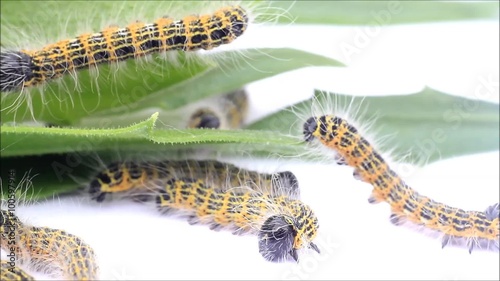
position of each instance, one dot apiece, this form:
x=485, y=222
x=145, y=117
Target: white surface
x=356, y=238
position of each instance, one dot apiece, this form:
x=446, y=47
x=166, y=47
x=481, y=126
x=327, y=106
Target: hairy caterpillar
x=475, y=229
x=284, y=225
x=232, y=112
x=134, y=176
x=222, y=196
x=49, y=246
x=14, y=273
x=28, y=68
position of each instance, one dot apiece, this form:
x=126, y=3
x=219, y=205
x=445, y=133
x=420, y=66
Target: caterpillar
x=119, y=177
x=29, y=68
x=232, y=112
x=475, y=229
x=284, y=225
x=14, y=273
x=222, y=196
x=66, y=251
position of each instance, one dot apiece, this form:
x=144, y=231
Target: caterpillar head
x=281, y=236
x=493, y=213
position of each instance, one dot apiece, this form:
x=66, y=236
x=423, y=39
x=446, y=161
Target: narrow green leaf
x=385, y=12
x=25, y=140
x=430, y=125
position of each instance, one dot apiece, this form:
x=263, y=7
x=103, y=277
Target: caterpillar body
x=222, y=196
x=119, y=177
x=29, y=68
x=476, y=229
x=13, y=273
x=50, y=246
x=282, y=224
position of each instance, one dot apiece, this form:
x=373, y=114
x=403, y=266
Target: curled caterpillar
x=222, y=196
x=28, y=68
x=476, y=229
x=9, y=271
x=55, y=247
x=229, y=112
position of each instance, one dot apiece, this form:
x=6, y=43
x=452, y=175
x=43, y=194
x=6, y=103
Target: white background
x=356, y=238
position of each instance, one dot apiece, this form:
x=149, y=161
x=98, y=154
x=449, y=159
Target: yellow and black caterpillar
x=133, y=176
x=45, y=246
x=222, y=196
x=475, y=229
x=28, y=68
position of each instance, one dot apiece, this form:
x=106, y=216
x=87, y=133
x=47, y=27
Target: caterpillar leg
x=375, y=198
x=356, y=174
x=396, y=219
x=11, y=272
x=339, y=160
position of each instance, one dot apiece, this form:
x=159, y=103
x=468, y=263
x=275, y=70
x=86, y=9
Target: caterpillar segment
x=29, y=68
x=474, y=228
x=119, y=177
x=49, y=246
x=283, y=225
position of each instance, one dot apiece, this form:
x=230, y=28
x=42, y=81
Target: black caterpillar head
x=276, y=239
x=309, y=127
x=204, y=118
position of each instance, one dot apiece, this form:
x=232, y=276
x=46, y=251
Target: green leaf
x=430, y=125
x=385, y=12
x=26, y=140
x=162, y=82
x=59, y=155
x=238, y=71
x=156, y=85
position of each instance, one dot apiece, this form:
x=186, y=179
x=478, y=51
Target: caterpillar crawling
x=29, y=68
x=50, y=246
x=477, y=229
x=222, y=196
